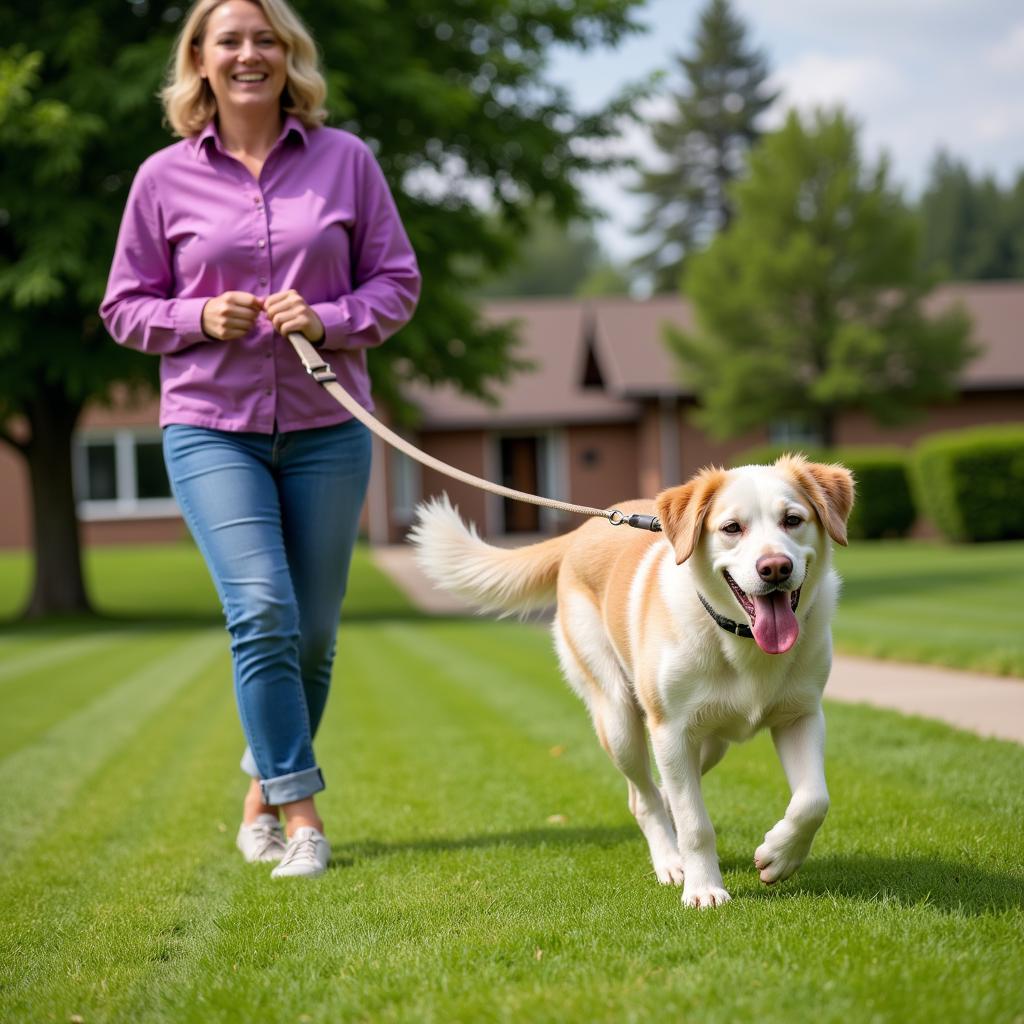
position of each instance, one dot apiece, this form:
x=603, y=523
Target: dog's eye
x=732, y=528
x=792, y=521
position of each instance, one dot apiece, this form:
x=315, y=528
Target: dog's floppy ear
x=829, y=488
x=682, y=510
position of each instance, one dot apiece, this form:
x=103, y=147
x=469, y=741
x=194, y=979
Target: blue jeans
x=276, y=517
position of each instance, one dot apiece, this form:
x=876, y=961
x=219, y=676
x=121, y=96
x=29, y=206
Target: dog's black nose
x=774, y=568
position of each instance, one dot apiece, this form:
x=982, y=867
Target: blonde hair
x=188, y=100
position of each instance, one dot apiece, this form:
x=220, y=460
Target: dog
x=700, y=636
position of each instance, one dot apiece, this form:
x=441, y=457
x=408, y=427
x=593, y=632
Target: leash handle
x=322, y=373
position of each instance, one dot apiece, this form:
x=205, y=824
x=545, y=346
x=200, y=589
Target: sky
x=917, y=75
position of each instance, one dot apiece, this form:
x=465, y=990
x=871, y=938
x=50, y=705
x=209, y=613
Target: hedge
x=970, y=483
x=884, y=506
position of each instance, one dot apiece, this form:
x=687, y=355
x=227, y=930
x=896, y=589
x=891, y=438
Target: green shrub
x=970, y=483
x=884, y=506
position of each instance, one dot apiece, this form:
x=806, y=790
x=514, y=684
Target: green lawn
x=486, y=867
x=956, y=605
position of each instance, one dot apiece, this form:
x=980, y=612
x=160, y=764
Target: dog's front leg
x=678, y=757
x=801, y=748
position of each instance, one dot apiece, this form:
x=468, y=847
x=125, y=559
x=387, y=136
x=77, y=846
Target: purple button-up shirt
x=320, y=219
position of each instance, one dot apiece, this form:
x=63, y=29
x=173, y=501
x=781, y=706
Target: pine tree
x=971, y=228
x=704, y=140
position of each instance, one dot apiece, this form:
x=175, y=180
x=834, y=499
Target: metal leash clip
x=636, y=520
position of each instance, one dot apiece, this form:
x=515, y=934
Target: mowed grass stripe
x=129, y=886
x=39, y=781
x=452, y=709
x=72, y=686
x=48, y=652
x=512, y=670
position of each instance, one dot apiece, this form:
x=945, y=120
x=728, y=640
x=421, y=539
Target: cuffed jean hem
x=248, y=764
x=284, y=789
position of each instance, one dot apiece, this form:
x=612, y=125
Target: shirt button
x=261, y=243
x=269, y=391
x=263, y=280
x=258, y=200
x=267, y=354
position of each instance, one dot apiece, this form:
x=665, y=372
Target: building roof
x=553, y=337
x=996, y=309
x=624, y=339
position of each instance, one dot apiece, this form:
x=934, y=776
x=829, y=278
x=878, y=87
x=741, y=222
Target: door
x=520, y=469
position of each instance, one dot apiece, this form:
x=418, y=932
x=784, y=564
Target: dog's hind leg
x=620, y=728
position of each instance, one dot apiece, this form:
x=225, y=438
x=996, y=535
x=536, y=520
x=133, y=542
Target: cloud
x=999, y=123
x=860, y=83
x=864, y=19
x=1008, y=54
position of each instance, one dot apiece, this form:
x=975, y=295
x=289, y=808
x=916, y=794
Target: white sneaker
x=305, y=856
x=263, y=840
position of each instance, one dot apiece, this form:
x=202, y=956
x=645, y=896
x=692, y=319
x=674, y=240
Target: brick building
x=601, y=416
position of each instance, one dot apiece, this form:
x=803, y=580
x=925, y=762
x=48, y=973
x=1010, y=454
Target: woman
x=257, y=223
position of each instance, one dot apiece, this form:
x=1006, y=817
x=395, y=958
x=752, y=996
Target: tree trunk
x=827, y=428
x=58, y=586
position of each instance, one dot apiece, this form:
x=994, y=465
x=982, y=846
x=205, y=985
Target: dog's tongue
x=775, y=627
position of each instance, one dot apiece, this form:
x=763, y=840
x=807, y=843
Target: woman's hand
x=289, y=312
x=231, y=315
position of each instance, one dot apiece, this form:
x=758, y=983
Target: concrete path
x=986, y=705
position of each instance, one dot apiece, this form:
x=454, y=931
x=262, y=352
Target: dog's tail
x=509, y=580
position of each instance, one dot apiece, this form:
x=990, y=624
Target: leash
x=325, y=377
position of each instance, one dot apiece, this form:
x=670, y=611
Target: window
x=120, y=475
x=405, y=486
x=793, y=431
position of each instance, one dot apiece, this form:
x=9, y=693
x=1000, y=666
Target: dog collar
x=739, y=628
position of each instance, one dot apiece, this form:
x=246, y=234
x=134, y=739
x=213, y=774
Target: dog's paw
x=704, y=897
x=669, y=869
x=783, y=851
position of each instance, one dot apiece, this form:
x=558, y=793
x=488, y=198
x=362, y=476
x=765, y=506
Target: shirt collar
x=292, y=126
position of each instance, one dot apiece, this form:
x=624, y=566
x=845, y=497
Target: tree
x=556, y=259
x=810, y=303
x=53, y=354
x=455, y=101
x=1015, y=226
x=971, y=228
x=703, y=144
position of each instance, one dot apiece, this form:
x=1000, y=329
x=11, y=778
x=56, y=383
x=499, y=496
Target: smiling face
x=756, y=535
x=242, y=59
x=762, y=537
